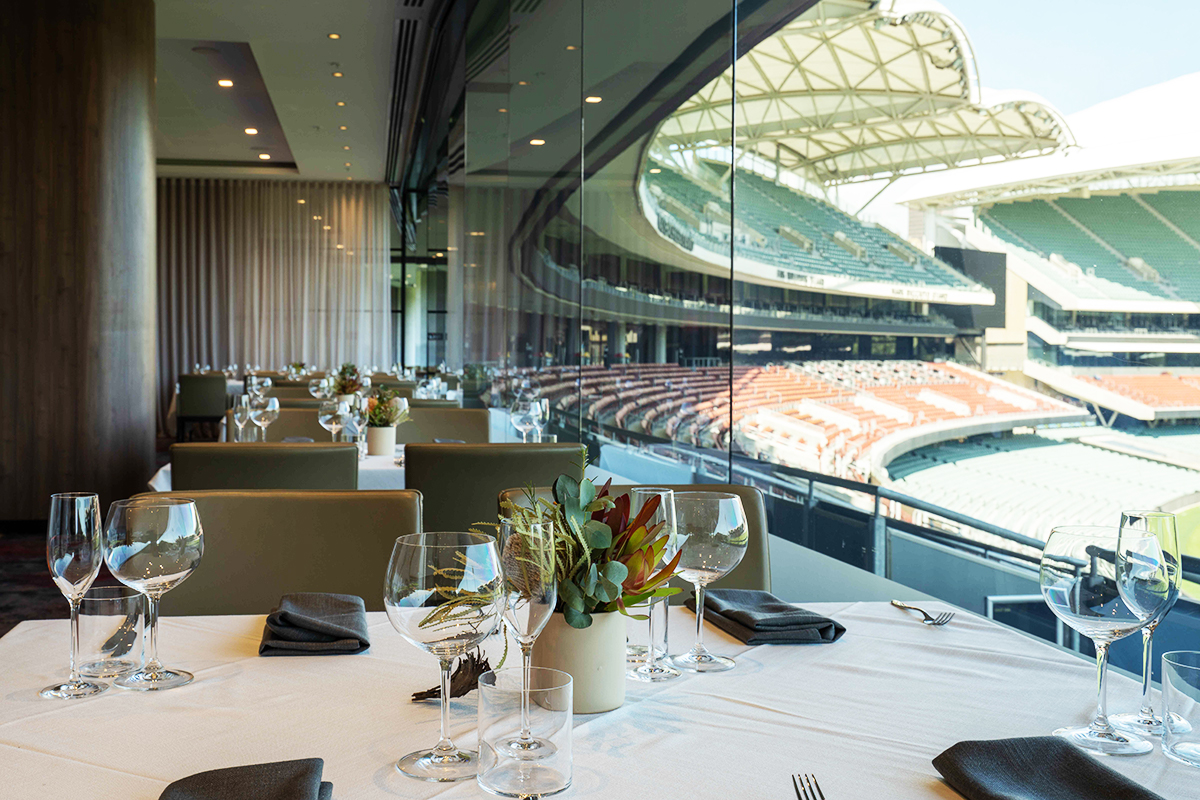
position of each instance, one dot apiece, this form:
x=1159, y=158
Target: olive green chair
x=419, y=403
x=291, y=423
x=261, y=545
x=320, y=466
x=459, y=482
x=289, y=392
x=310, y=403
x=201, y=399
x=469, y=425
x=754, y=571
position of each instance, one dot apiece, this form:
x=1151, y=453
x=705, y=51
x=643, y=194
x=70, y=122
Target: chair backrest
x=201, y=396
x=754, y=571
x=320, y=466
x=291, y=422
x=419, y=403
x=470, y=425
x=289, y=392
x=260, y=545
x=311, y=403
x=459, y=482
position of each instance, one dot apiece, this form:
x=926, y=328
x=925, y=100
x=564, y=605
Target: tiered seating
x=763, y=208
x=1029, y=484
x=1158, y=391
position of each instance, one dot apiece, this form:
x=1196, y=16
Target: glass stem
x=650, y=659
x=526, y=679
x=1100, y=723
x=445, y=747
x=152, y=665
x=75, y=676
x=699, y=648
x=1147, y=710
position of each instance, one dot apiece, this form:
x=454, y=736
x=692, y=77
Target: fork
x=807, y=787
x=939, y=620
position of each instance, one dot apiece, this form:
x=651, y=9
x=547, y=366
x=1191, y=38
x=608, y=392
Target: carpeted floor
x=26, y=591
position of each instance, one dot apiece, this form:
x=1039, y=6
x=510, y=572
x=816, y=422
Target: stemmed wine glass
x=74, y=551
x=264, y=412
x=153, y=544
x=530, y=592
x=443, y=593
x=1160, y=526
x=241, y=415
x=712, y=532
x=526, y=415
x=653, y=667
x=332, y=415
x=318, y=389
x=1079, y=576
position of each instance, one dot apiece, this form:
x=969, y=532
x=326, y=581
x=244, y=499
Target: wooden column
x=77, y=278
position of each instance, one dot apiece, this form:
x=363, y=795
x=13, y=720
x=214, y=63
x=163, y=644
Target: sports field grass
x=1187, y=524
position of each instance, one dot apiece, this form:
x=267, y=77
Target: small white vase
x=381, y=441
x=594, y=657
x=346, y=398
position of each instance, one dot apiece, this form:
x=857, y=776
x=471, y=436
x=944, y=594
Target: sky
x=1076, y=53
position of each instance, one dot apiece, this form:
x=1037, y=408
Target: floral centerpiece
x=347, y=381
x=385, y=410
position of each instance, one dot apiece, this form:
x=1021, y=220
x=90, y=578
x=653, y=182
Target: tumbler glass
x=110, y=631
x=1181, y=706
x=500, y=720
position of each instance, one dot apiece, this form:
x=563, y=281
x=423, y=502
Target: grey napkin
x=279, y=780
x=757, y=617
x=1033, y=768
x=312, y=623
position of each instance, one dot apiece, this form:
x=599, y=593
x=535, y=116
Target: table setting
x=318, y=698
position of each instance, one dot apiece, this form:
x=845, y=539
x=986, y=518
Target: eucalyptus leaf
x=615, y=572
x=576, y=619
x=597, y=534
x=590, y=580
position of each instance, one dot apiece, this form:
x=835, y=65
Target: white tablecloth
x=866, y=714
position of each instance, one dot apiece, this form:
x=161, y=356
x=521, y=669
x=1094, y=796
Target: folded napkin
x=758, y=617
x=280, y=780
x=1033, y=768
x=312, y=623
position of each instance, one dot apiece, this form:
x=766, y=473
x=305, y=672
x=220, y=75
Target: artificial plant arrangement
x=603, y=560
x=386, y=409
x=348, y=380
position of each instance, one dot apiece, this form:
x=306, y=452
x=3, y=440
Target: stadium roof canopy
x=854, y=90
x=1141, y=141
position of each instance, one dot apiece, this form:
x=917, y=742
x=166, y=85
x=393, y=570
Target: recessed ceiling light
x=592, y=98
x=522, y=83
x=476, y=233
x=570, y=47
x=345, y=147
x=316, y=216
x=347, y=163
x=251, y=131
x=537, y=142
x=337, y=74
x=655, y=171
x=503, y=110
x=341, y=102
x=327, y=227
x=301, y=202
x=341, y=127
x=225, y=82
x=341, y=247
x=334, y=35
x=438, y=255
x=265, y=156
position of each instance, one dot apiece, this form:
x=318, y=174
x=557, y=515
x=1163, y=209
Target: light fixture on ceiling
x=341, y=102
x=341, y=247
x=476, y=233
x=251, y=131
x=225, y=83
x=334, y=35
x=316, y=216
x=347, y=163
x=301, y=202
x=570, y=47
x=502, y=110
x=438, y=255
x=341, y=127
x=265, y=156
x=537, y=142
x=522, y=83
x=345, y=147
x=327, y=227
x=337, y=74
x=655, y=171
x=593, y=98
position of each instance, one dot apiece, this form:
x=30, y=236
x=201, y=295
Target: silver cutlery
x=807, y=787
x=940, y=619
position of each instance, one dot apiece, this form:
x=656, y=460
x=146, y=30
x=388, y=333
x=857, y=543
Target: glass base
x=524, y=779
x=702, y=662
x=532, y=749
x=1105, y=743
x=154, y=680
x=108, y=668
x=438, y=767
x=1134, y=722
x=653, y=673
x=73, y=690
x=1184, y=753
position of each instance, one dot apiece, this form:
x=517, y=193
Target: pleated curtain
x=269, y=272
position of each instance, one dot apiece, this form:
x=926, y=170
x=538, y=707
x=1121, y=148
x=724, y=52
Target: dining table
x=866, y=714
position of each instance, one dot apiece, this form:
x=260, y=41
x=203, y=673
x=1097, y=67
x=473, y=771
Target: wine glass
x=443, y=593
x=524, y=414
x=74, y=551
x=332, y=416
x=530, y=592
x=264, y=412
x=358, y=419
x=653, y=667
x=316, y=387
x=1159, y=526
x=152, y=544
x=1079, y=577
x=712, y=532
x=241, y=415
x=541, y=415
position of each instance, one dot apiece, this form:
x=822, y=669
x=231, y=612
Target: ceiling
x=281, y=60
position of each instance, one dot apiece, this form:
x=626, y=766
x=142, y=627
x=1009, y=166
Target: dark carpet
x=26, y=590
